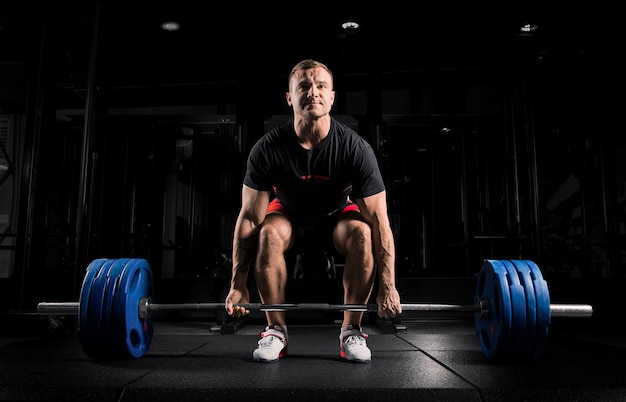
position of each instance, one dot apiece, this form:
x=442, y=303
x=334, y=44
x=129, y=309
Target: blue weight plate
x=95, y=308
x=89, y=341
x=139, y=330
x=83, y=317
x=494, y=333
x=518, y=305
x=530, y=335
x=543, y=307
x=135, y=333
x=112, y=282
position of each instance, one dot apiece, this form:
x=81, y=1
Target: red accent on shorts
x=350, y=207
x=276, y=206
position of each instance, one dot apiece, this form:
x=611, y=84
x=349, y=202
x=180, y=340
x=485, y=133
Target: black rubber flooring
x=430, y=359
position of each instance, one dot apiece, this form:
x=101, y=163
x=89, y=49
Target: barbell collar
x=571, y=310
x=57, y=308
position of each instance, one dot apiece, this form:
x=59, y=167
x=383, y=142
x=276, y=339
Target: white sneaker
x=272, y=345
x=353, y=344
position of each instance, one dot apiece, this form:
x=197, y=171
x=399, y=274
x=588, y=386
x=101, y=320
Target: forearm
x=385, y=254
x=245, y=239
x=388, y=298
x=244, y=251
x=386, y=269
x=374, y=209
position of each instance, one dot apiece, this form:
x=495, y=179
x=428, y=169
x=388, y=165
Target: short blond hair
x=307, y=64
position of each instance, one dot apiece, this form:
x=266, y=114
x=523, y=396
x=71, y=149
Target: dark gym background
x=119, y=139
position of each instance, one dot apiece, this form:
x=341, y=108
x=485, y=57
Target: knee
x=362, y=235
x=272, y=238
x=357, y=238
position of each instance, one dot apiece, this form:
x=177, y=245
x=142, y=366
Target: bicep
x=374, y=208
x=253, y=205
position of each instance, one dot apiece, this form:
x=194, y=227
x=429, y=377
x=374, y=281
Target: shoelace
x=354, y=340
x=266, y=341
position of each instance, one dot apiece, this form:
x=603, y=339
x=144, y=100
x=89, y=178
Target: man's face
x=311, y=93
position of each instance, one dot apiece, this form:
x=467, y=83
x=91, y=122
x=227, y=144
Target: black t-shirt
x=316, y=182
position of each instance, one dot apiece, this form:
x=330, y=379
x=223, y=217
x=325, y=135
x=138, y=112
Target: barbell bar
x=147, y=307
x=512, y=309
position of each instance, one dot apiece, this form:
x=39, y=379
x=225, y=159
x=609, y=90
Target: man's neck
x=311, y=132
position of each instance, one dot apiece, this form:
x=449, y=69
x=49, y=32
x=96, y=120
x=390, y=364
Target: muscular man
x=313, y=170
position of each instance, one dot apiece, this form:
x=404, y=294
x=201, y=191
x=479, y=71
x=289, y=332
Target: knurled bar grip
x=146, y=308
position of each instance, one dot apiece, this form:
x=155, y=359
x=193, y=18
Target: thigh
x=351, y=228
x=279, y=227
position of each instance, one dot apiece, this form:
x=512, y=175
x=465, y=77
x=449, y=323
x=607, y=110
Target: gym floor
x=418, y=358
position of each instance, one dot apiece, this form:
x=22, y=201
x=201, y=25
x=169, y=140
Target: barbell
x=512, y=310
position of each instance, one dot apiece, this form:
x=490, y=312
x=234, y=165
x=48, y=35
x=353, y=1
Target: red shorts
x=276, y=206
x=311, y=233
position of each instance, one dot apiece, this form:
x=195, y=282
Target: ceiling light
x=529, y=28
x=350, y=25
x=170, y=26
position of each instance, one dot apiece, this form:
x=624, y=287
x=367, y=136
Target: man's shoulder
x=346, y=134
x=278, y=130
x=343, y=129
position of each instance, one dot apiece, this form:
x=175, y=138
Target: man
x=313, y=170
